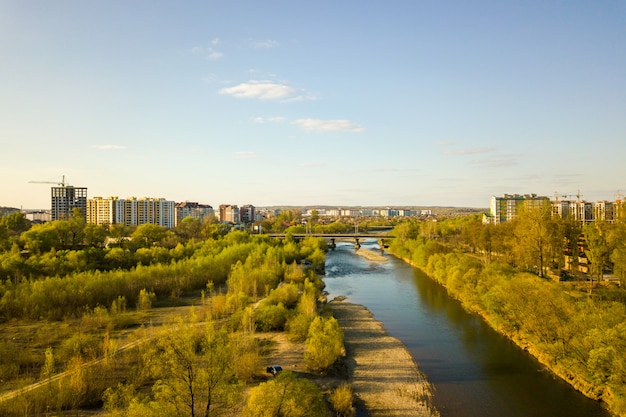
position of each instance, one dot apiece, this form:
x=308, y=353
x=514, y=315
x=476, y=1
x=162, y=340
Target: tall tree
x=324, y=344
x=194, y=368
x=535, y=231
x=598, y=250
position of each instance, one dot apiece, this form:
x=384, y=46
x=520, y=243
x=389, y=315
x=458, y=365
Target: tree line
x=510, y=274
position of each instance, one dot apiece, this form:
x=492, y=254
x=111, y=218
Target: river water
x=474, y=370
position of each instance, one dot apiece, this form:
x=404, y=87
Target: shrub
x=341, y=400
x=271, y=317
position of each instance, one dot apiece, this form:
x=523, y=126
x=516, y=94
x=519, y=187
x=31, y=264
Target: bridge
x=332, y=236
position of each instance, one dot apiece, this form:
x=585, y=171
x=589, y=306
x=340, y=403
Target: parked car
x=274, y=369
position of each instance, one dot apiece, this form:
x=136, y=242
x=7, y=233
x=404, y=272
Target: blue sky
x=348, y=103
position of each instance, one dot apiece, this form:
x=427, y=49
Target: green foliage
x=194, y=369
x=145, y=300
x=80, y=345
x=285, y=396
x=12, y=358
x=341, y=400
x=297, y=327
x=582, y=337
x=287, y=294
x=271, y=317
x=324, y=344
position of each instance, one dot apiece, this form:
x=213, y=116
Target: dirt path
x=383, y=374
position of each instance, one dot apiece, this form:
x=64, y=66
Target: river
x=474, y=370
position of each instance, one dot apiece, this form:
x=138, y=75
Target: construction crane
x=62, y=183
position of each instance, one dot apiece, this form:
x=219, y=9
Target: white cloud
x=263, y=44
x=246, y=155
x=272, y=119
x=263, y=90
x=109, y=147
x=208, y=53
x=318, y=125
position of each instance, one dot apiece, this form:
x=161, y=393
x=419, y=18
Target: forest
x=88, y=322
x=523, y=277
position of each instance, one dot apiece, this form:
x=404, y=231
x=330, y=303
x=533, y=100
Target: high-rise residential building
x=229, y=213
x=605, y=211
x=101, y=210
x=247, y=214
x=65, y=199
x=193, y=210
x=131, y=211
x=503, y=209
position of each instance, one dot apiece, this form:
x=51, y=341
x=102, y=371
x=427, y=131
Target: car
x=274, y=369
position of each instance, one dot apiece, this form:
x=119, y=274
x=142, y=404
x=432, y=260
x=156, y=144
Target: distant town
x=133, y=211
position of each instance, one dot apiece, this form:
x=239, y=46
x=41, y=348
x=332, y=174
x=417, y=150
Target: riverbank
x=525, y=342
x=383, y=374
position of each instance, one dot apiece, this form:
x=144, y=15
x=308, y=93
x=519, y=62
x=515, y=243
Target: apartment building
x=503, y=209
x=247, y=214
x=194, y=210
x=229, y=213
x=101, y=210
x=131, y=211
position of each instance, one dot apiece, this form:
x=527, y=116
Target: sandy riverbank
x=383, y=374
x=371, y=256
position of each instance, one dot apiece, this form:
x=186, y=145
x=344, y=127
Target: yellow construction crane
x=62, y=183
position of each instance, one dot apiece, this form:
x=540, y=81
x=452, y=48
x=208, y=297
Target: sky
x=342, y=103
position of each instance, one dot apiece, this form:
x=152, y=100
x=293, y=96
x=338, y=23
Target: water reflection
x=475, y=371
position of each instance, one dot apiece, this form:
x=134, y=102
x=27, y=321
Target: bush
x=286, y=395
x=80, y=345
x=271, y=317
x=298, y=327
x=341, y=399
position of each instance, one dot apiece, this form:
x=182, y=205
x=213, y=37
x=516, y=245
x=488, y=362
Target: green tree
x=147, y=235
x=41, y=238
x=598, y=250
x=285, y=396
x=324, y=344
x=94, y=235
x=16, y=223
x=194, y=369
x=189, y=228
x=535, y=231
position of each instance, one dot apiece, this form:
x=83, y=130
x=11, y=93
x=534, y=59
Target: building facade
x=505, y=208
x=101, y=210
x=229, y=213
x=247, y=214
x=131, y=211
x=193, y=210
x=65, y=199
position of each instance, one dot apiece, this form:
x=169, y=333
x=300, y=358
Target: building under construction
x=65, y=199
